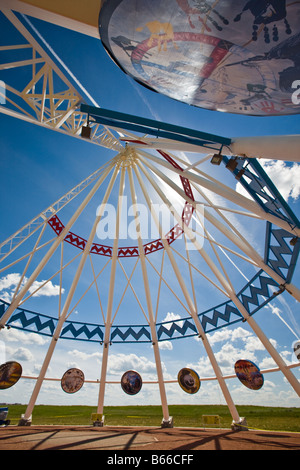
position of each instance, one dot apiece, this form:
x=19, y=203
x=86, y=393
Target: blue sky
x=38, y=166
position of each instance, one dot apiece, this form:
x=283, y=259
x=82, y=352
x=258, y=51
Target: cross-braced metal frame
x=40, y=103
x=47, y=97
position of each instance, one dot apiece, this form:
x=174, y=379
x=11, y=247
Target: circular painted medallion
x=131, y=382
x=10, y=372
x=188, y=380
x=249, y=374
x=72, y=380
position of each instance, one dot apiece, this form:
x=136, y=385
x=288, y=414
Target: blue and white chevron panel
x=257, y=293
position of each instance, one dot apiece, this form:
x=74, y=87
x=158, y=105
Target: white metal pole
x=15, y=240
x=200, y=249
x=106, y=341
x=193, y=313
x=29, y=260
x=162, y=389
x=243, y=244
x=239, y=241
x=14, y=304
x=271, y=350
x=267, y=344
x=227, y=193
x=248, y=250
x=64, y=312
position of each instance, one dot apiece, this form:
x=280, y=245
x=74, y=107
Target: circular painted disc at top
x=131, y=382
x=239, y=57
x=188, y=380
x=10, y=372
x=249, y=374
x=72, y=380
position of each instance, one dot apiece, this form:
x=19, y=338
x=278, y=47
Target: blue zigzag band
x=253, y=296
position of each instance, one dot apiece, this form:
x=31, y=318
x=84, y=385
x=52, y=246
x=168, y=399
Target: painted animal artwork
x=286, y=50
x=264, y=13
x=160, y=32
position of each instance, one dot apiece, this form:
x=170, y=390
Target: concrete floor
x=150, y=439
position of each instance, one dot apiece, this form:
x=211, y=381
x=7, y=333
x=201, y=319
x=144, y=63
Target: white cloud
x=10, y=282
x=240, y=333
x=267, y=363
x=6, y=296
x=118, y=363
x=2, y=352
x=48, y=290
x=7, y=283
x=228, y=335
x=23, y=354
x=13, y=335
x=253, y=344
x=286, y=178
x=226, y=358
x=37, y=369
x=84, y=356
x=167, y=345
x=172, y=317
x=232, y=345
x=219, y=336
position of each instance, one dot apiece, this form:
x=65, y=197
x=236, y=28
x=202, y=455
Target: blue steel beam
x=153, y=127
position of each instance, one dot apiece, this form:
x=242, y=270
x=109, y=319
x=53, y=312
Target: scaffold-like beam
x=46, y=96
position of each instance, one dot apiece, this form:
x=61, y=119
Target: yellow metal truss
x=46, y=97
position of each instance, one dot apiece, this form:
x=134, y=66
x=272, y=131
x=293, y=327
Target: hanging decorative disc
x=249, y=374
x=296, y=348
x=72, y=380
x=10, y=372
x=131, y=382
x=239, y=57
x=188, y=380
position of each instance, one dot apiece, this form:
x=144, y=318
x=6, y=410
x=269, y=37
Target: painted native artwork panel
x=226, y=55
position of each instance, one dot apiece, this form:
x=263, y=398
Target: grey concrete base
x=24, y=421
x=240, y=426
x=167, y=423
x=99, y=423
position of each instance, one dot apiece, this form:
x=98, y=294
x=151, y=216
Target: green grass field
x=258, y=417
